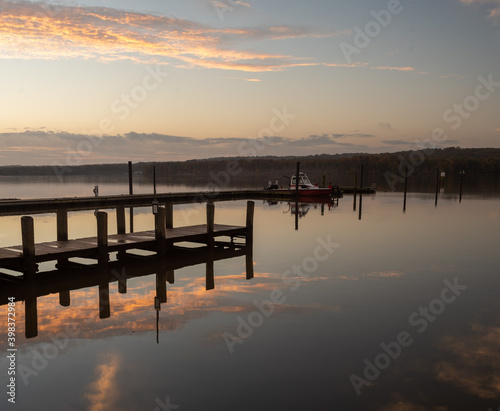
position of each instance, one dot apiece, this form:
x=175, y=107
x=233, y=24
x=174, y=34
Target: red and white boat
x=306, y=188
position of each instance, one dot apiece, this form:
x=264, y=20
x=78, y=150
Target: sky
x=86, y=82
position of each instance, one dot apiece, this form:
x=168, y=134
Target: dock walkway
x=25, y=258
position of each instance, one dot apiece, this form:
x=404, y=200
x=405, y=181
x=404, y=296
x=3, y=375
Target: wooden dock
x=25, y=258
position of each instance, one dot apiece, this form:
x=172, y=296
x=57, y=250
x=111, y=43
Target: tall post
x=210, y=224
x=160, y=231
x=130, y=191
x=209, y=277
x=65, y=298
x=406, y=185
x=30, y=310
x=120, y=219
x=62, y=232
x=102, y=238
x=437, y=188
x=28, y=238
x=249, y=222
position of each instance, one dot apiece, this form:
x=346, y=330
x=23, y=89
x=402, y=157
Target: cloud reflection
x=103, y=392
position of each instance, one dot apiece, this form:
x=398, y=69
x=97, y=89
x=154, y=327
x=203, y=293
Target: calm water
x=396, y=311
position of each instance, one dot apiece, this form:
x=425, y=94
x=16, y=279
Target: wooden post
x=120, y=220
x=31, y=311
x=28, y=238
x=406, y=185
x=169, y=208
x=437, y=188
x=160, y=224
x=161, y=285
x=64, y=298
x=170, y=276
x=209, y=277
x=249, y=261
x=62, y=233
x=122, y=285
x=104, y=305
x=249, y=223
x=210, y=224
x=62, y=224
x=102, y=237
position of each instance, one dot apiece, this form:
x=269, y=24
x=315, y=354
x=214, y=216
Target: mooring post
x=104, y=304
x=210, y=223
x=160, y=224
x=31, y=310
x=406, y=185
x=209, y=277
x=28, y=238
x=249, y=223
x=120, y=219
x=161, y=284
x=169, y=208
x=102, y=238
x=64, y=298
x=120, y=227
x=62, y=233
x=62, y=224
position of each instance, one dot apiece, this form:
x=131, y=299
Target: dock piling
x=62, y=232
x=249, y=222
x=210, y=223
x=120, y=220
x=102, y=237
x=28, y=238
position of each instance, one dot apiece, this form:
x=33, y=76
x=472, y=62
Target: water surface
x=343, y=289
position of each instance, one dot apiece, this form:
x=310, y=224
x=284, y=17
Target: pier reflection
x=75, y=277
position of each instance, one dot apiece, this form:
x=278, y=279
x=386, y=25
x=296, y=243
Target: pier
x=26, y=257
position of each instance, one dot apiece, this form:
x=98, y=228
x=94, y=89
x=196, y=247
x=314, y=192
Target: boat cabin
x=304, y=181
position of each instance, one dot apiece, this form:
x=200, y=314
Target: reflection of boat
x=305, y=188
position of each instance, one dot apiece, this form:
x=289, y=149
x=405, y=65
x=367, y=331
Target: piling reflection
x=78, y=277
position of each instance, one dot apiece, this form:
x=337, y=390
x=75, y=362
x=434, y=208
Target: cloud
x=103, y=393
x=493, y=6
x=393, y=68
x=385, y=126
x=398, y=142
x=60, y=148
x=42, y=31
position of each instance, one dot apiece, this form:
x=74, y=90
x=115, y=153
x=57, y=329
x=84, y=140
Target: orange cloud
x=394, y=68
x=39, y=31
